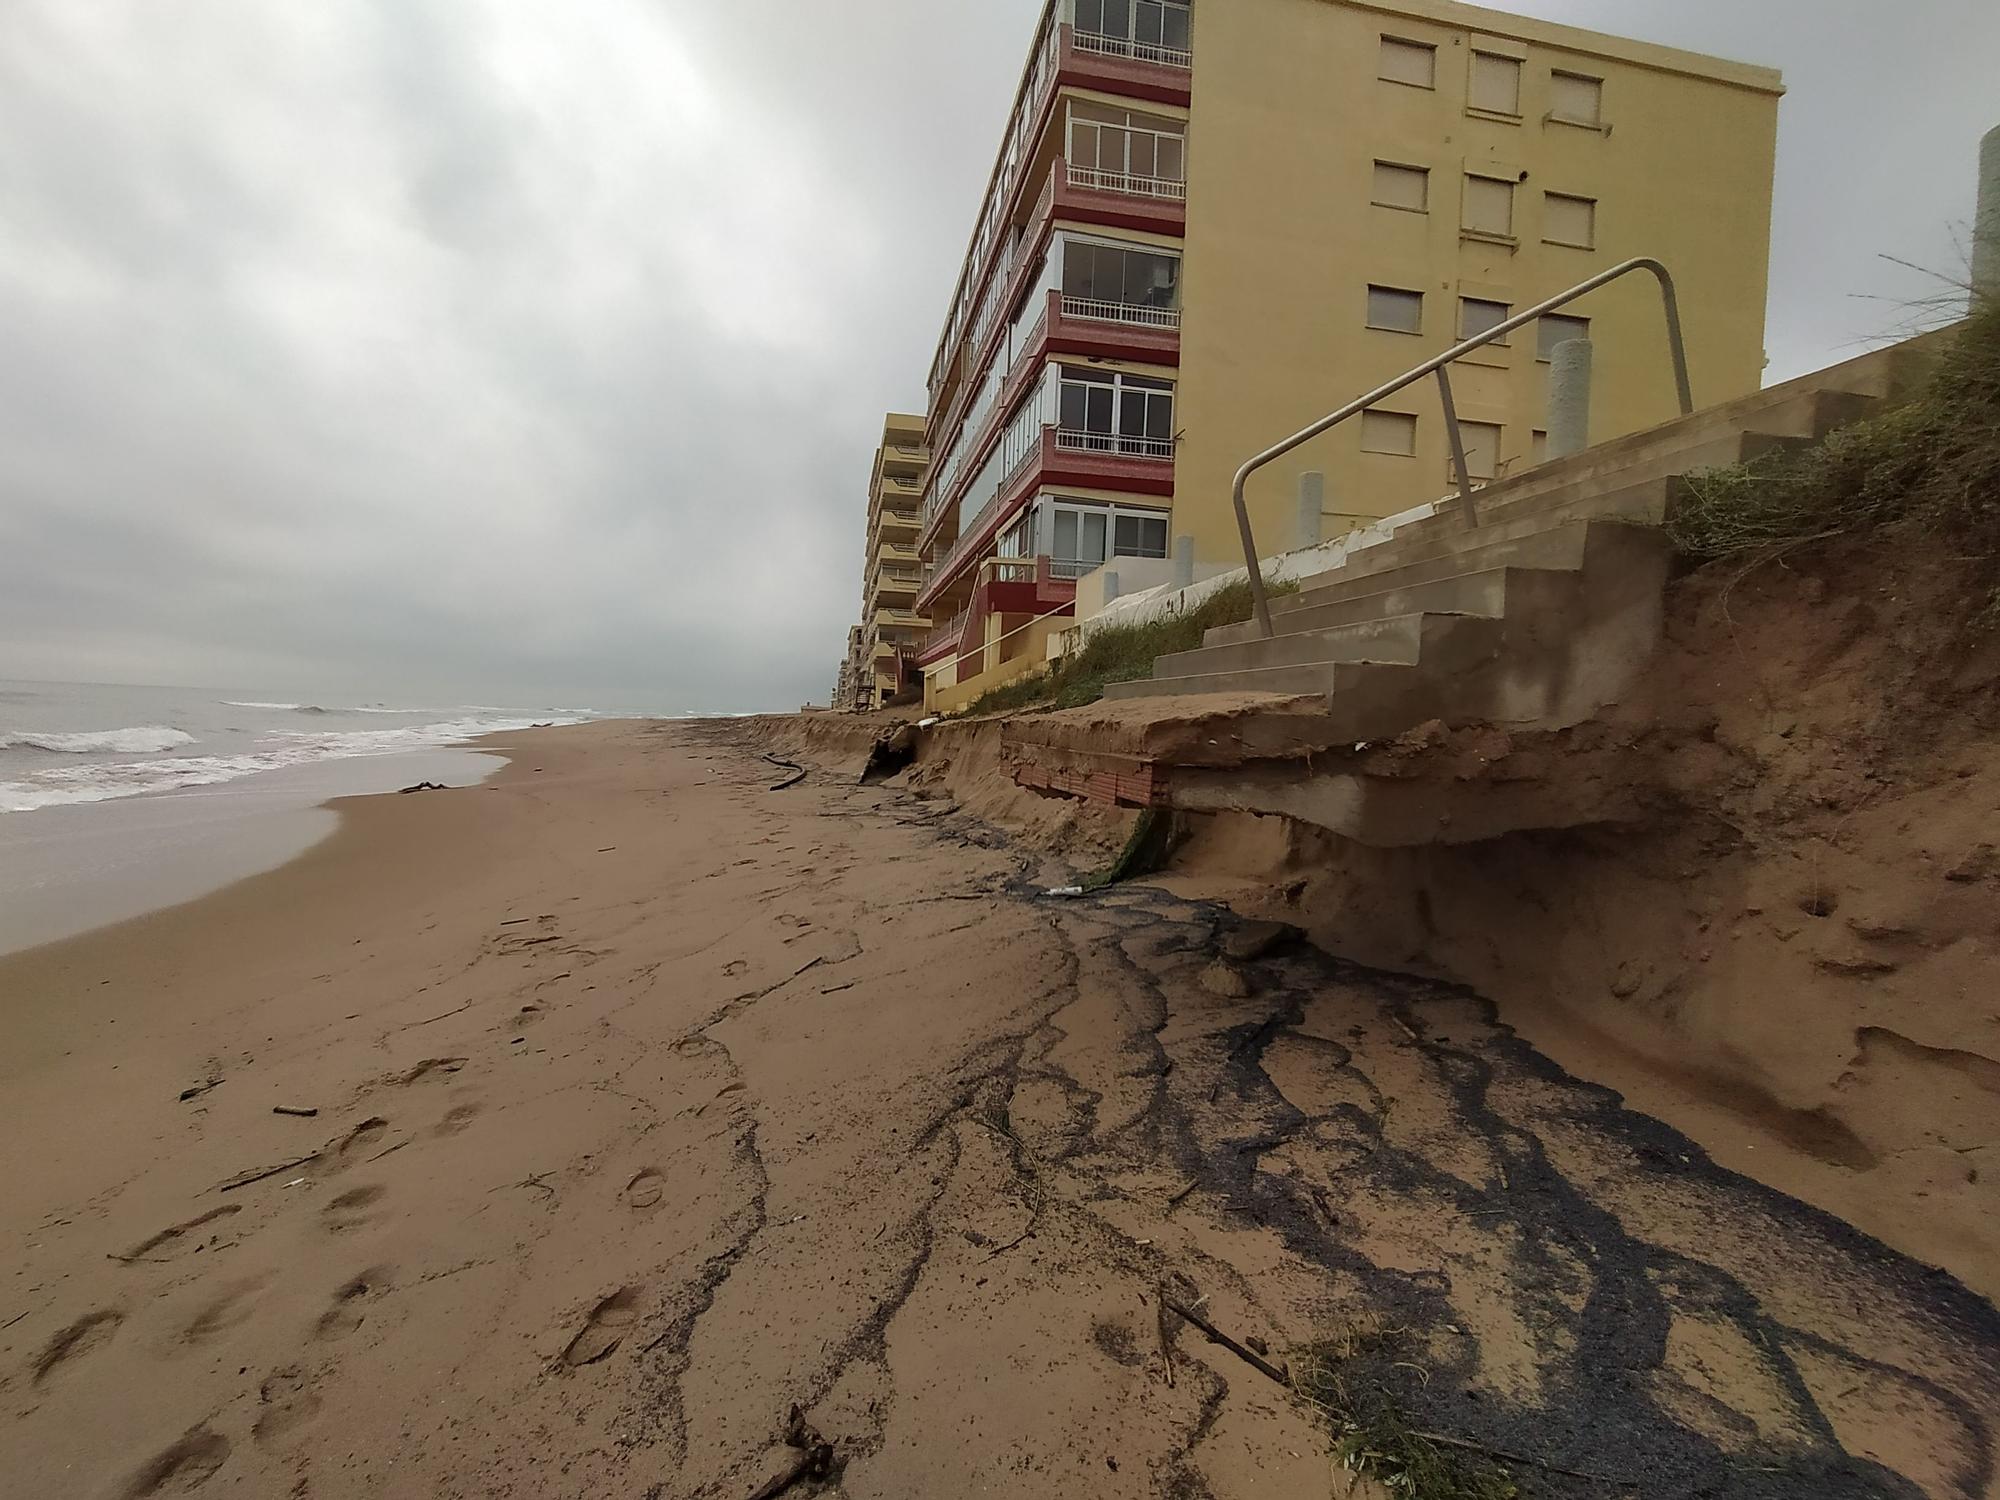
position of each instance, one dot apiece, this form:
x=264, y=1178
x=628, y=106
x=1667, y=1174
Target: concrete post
x=1986, y=222
x=1312, y=508
x=1109, y=580
x=1569, y=398
x=1183, y=562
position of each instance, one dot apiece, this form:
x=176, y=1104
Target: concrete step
x=1396, y=640
x=1328, y=680
x=1482, y=592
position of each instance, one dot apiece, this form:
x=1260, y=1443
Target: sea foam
x=149, y=739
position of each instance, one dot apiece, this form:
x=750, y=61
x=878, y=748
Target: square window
x=1414, y=63
x=1395, y=310
x=1578, y=98
x=1496, y=84
x=1391, y=432
x=1476, y=315
x=1570, y=221
x=1489, y=206
x=1554, y=329
x=1482, y=448
x=1398, y=186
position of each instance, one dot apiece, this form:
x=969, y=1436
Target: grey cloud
x=518, y=352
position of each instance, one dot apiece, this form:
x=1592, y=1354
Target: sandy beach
x=559, y=1136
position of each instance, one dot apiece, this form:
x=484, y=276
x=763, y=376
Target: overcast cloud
x=524, y=352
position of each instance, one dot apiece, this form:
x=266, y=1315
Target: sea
x=116, y=801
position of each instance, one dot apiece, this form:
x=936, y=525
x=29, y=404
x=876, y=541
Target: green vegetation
x=1372, y=1436
x=1153, y=837
x=1121, y=653
x=1930, y=466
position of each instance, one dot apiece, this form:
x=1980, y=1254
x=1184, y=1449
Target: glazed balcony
x=1062, y=458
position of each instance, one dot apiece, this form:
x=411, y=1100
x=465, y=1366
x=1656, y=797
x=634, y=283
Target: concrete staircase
x=1543, y=611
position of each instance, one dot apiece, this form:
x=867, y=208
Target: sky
x=530, y=353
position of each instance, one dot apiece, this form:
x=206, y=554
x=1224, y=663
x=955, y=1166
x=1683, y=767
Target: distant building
x=1211, y=224
x=882, y=650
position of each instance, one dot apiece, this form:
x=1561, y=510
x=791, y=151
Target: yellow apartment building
x=892, y=628
x=1211, y=223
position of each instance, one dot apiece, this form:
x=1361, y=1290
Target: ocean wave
x=102, y=781
x=147, y=740
x=238, y=703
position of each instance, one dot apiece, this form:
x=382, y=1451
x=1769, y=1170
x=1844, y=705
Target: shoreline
x=651, y=1101
x=73, y=869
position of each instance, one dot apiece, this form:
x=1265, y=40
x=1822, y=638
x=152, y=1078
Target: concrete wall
x=1289, y=118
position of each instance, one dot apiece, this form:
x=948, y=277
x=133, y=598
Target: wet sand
x=652, y=1102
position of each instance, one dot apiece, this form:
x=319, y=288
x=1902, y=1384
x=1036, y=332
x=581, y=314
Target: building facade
x=882, y=650
x=1211, y=223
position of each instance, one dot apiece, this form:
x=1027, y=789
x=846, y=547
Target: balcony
x=896, y=553
x=897, y=520
x=895, y=487
x=1094, y=460
x=892, y=619
x=1157, y=205
x=897, y=580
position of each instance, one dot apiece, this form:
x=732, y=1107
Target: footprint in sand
x=527, y=1015
x=287, y=1402
x=645, y=1190
x=179, y=1239
x=362, y=1138
x=352, y=1208
x=349, y=1310
x=734, y=967
x=457, y=1118
x=601, y=1335
x=228, y=1311
x=428, y=1068
x=75, y=1341
x=186, y=1466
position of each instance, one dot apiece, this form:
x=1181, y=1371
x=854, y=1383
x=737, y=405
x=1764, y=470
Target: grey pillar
x=1312, y=508
x=1110, y=580
x=1569, y=398
x=1986, y=221
x=1183, y=562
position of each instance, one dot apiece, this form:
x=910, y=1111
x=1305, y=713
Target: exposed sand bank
x=651, y=1102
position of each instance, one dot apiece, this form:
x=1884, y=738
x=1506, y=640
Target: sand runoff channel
x=692, y=1102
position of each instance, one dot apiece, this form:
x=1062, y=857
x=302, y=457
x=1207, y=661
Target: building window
x=1489, y=206
x=1482, y=448
x=1152, y=23
x=1554, y=329
x=1414, y=63
x=1538, y=447
x=1139, y=536
x=1496, y=84
x=1395, y=310
x=1476, y=315
x=1126, y=143
x=1570, y=221
x=1391, y=432
x=1100, y=411
x=1579, y=99
x=1079, y=536
x=1110, y=273
x=1403, y=187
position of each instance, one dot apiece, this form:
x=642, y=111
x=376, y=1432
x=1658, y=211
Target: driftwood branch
x=1216, y=1336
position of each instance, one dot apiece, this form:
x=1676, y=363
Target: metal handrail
x=1676, y=344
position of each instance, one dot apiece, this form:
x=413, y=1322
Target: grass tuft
x=1930, y=466
x=1121, y=653
x=1372, y=1435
